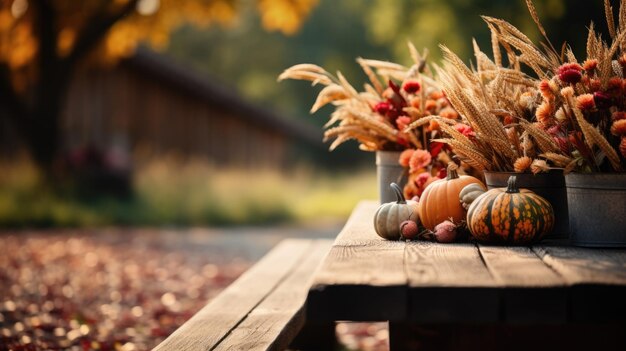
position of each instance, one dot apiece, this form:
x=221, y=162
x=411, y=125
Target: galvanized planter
x=550, y=186
x=388, y=171
x=597, y=208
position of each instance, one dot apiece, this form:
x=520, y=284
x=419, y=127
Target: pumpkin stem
x=398, y=192
x=511, y=187
x=452, y=173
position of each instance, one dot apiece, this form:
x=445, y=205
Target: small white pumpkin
x=389, y=216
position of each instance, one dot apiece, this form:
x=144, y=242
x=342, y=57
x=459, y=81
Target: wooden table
x=366, y=278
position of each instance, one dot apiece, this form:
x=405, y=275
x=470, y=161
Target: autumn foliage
x=43, y=41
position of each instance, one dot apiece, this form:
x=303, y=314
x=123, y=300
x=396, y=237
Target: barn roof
x=192, y=83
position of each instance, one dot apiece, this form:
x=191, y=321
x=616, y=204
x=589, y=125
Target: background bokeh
x=240, y=47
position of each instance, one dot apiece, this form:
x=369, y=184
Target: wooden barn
x=150, y=102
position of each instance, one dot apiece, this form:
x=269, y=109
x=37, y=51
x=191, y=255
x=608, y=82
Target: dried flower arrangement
x=583, y=106
x=378, y=117
x=569, y=116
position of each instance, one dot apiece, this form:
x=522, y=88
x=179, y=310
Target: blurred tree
x=42, y=42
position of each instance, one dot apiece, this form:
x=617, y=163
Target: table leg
x=316, y=336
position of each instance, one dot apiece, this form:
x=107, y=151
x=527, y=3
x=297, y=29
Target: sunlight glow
x=148, y=7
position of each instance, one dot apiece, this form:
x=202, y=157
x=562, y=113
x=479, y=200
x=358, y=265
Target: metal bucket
x=388, y=171
x=550, y=186
x=597, y=209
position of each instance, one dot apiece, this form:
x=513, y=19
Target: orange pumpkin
x=440, y=200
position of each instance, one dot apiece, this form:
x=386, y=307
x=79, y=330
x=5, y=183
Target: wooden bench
x=262, y=310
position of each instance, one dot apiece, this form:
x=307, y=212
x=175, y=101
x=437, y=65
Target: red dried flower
x=402, y=122
x=590, y=65
x=508, y=119
x=411, y=86
x=554, y=130
x=622, y=147
x=563, y=144
x=602, y=100
x=614, y=84
x=595, y=84
x=422, y=179
x=405, y=156
x=465, y=130
x=382, y=108
x=570, y=73
x=585, y=102
x=419, y=160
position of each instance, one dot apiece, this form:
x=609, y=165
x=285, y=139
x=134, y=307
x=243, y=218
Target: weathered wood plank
x=277, y=320
x=597, y=278
x=449, y=283
x=359, y=229
x=211, y=324
x=355, y=282
x=580, y=265
x=533, y=292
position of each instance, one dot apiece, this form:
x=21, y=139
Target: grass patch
x=193, y=193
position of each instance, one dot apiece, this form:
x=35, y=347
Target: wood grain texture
x=597, y=280
x=212, y=324
x=359, y=229
x=275, y=322
x=360, y=283
x=534, y=293
x=449, y=283
x=580, y=265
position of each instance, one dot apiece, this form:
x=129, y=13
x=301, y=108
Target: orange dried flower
x=622, y=147
x=619, y=127
x=449, y=112
x=522, y=164
x=433, y=125
x=618, y=115
x=585, y=102
x=419, y=160
x=539, y=166
x=544, y=113
x=546, y=90
x=416, y=102
x=436, y=95
x=430, y=104
x=590, y=65
x=405, y=156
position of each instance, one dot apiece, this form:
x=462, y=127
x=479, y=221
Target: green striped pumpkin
x=510, y=216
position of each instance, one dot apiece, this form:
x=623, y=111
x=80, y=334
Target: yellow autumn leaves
x=152, y=21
